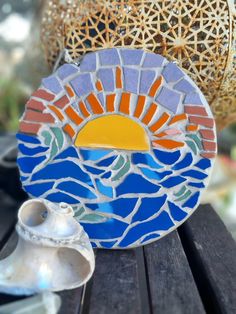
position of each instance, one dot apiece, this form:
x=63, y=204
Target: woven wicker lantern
x=198, y=34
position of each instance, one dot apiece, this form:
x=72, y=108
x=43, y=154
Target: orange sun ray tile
x=95, y=104
x=73, y=115
x=125, y=102
x=118, y=78
x=192, y=127
x=178, y=118
x=150, y=113
x=140, y=106
x=110, y=102
x=169, y=144
x=57, y=112
x=99, y=86
x=69, y=130
x=70, y=91
x=160, y=122
x=83, y=109
x=155, y=86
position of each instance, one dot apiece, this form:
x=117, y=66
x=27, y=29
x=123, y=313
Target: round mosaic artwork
x=126, y=138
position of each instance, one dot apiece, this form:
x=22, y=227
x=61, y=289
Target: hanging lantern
x=199, y=35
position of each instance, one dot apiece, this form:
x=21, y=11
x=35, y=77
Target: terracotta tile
x=209, y=146
x=36, y=105
x=207, y=134
x=208, y=122
x=38, y=117
x=41, y=93
x=31, y=128
x=196, y=110
x=62, y=102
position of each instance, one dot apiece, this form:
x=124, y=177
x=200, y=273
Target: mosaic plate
x=126, y=138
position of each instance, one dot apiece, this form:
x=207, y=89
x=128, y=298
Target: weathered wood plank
x=171, y=284
x=214, y=251
x=71, y=301
x=115, y=285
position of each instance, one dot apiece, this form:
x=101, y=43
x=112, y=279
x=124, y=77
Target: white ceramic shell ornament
x=53, y=252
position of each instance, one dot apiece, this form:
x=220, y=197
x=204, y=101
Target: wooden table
x=192, y=270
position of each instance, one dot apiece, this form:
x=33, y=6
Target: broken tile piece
x=146, y=80
x=131, y=78
x=184, y=86
x=193, y=99
x=66, y=70
x=109, y=57
x=172, y=73
x=152, y=60
x=107, y=78
x=82, y=84
x=131, y=56
x=89, y=63
x=52, y=84
x=169, y=99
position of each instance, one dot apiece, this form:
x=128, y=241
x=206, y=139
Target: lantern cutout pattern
x=126, y=138
x=199, y=35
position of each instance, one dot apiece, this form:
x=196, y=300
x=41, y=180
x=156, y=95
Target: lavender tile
x=184, y=86
x=131, y=56
x=82, y=84
x=101, y=99
x=152, y=60
x=89, y=63
x=147, y=78
x=66, y=70
x=131, y=79
x=193, y=99
x=172, y=72
x=107, y=78
x=169, y=99
x=109, y=57
x=52, y=84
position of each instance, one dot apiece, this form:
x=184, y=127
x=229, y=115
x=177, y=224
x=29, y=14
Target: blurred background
x=22, y=66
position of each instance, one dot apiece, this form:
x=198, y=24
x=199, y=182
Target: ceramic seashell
x=53, y=251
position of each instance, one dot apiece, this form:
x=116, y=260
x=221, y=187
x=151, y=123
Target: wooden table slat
x=214, y=251
x=171, y=283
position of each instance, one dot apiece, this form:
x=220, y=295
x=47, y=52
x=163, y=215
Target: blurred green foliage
x=12, y=100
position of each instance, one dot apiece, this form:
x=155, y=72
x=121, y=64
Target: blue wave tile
x=203, y=164
x=149, y=207
x=199, y=185
x=95, y=154
x=150, y=237
x=194, y=174
x=108, y=230
x=108, y=244
x=76, y=189
x=62, y=197
x=177, y=213
x=107, y=175
x=94, y=245
x=22, y=178
x=146, y=159
x=173, y=181
x=39, y=188
x=27, y=164
x=105, y=190
x=192, y=201
x=28, y=151
x=106, y=162
x=162, y=222
x=185, y=162
x=134, y=183
x=167, y=158
x=151, y=174
x=64, y=169
x=121, y=207
x=68, y=152
x=27, y=138
x=93, y=170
